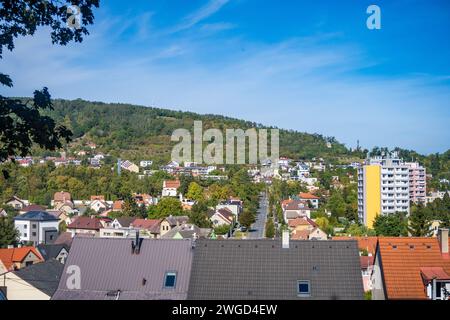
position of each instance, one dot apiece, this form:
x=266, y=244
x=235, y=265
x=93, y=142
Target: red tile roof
x=148, y=224
x=172, y=184
x=86, y=223
x=430, y=273
x=33, y=207
x=301, y=221
x=62, y=196
x=101, y=198
x=404, y=259
x=304, y=195
x=117, y=205
x=16, y=255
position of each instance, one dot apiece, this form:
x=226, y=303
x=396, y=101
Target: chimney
x=136, y=244
x=443, y=239
x=285, y=239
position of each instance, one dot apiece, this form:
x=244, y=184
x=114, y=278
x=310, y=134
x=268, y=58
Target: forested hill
x=137, y=132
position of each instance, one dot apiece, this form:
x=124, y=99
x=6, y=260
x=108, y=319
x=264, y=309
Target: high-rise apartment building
x=383, y=188
x=417, y=182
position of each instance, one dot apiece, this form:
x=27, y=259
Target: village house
x=61, y=215
x=308, y=197
x=171, y=222
x=222, y=217
x=170, y=188
x=412, y=268
x=148, y=227
x=303, y=228
x=58, y=252
x=232, y=204
x=117, y=205
x=87, y=225
x=293, y=209
x=99, y=205
x=17, y=203
x=37, y=227
x=60, y=198
x=18, y=258
x=186, y=231
x=35, y=282
x=128, y=269
x=129, y=166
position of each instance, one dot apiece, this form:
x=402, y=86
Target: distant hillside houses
x=129, y=166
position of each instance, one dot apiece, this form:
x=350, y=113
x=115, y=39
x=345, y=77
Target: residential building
x=412, y=268
x=293, y=209
x=37, y=227
x=186, y=231
x=58, y=252
x=148, y=227
x=251, y=270
x=99, y=205
x=3, y=213
x=366, y=271
x=417, y=182
x=60, y=198
x=383, y=188
x=170, y=188
x=129, y=166
x=436, y=195
x=308, y=197
x=18, y=258
x=85, y=225
x=125, y=269
x=222, y=217
x=171, y=222
x=17, y=203
x=35, y=282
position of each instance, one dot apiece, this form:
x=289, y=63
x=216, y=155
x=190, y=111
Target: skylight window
x=303, y=288
x=170, y=280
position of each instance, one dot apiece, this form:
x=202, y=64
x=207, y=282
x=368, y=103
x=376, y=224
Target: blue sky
x=306, y=65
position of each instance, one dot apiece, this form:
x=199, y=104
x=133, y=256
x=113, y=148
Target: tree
x=222, y=229
x=419, y=222
x=392, y=225
x=199, y=215
x=21, y=123
x=270, y=229
x=246, y=218
x=8, y=233
x=195, y=192
x=130, y=208
x=166, y=206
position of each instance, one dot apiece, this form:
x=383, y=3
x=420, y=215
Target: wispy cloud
x=201, y=14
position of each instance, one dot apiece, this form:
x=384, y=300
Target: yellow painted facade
x=372, y=193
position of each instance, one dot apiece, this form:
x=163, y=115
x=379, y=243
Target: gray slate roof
x=51, y=251
x=44, y=276
x=37, y=216
x=108, y=264
x=262, y=269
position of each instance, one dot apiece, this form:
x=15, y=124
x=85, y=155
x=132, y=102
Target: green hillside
x=137, y=132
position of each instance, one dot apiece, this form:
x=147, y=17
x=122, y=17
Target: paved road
x=257, y=229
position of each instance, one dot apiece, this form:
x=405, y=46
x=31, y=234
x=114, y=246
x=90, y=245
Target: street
x=257, y=229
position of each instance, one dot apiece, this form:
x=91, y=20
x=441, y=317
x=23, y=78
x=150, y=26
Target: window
x=303, y=288
x=33, y=226
x=25, y=235
x=170, y=280
x=25, y=226
x=33, y=234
